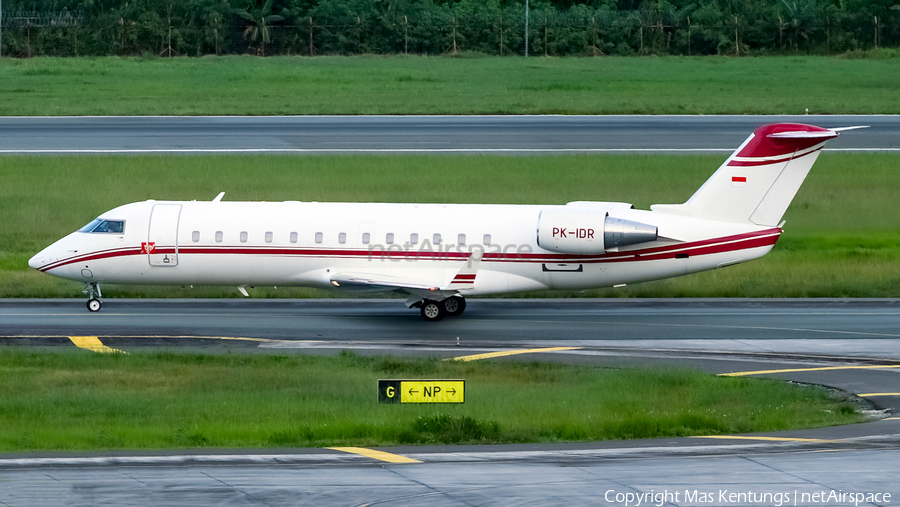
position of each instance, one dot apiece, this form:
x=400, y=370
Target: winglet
x=465, y=279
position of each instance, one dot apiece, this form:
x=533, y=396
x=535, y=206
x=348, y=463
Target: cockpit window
x=99, y=225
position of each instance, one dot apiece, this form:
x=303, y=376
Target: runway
x=417, y=134
x=715, y=335
x=848, y=344
x=487, y=322
x=464, y=480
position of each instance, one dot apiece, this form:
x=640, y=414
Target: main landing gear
x=433, y=311
x=95, y=300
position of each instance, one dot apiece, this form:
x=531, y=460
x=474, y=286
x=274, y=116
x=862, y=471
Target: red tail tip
x=779, y=142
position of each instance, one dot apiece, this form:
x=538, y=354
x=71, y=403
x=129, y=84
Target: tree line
x=555, y=27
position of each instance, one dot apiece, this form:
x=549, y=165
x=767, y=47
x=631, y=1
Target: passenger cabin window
x=219, y=236
x=108, y=226
x=366, y=237
x=243, y=236
x=487, y=240
x=293, y=237
x=342, y=238
x=414, y=238
x=319, y=237
x=436, y=239
x=269, y=236
x=195, y=236
x=389, y=238
x=461, y=239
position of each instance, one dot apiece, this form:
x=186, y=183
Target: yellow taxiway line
x=379, y=455
x=94, y=344
x=769, y=439
x=792, y=370
x=866, y=395
x=503, y=353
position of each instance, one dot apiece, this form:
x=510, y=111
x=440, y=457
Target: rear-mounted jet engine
x=588, y=232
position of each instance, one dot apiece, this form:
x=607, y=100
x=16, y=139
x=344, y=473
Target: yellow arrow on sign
x=432, y=391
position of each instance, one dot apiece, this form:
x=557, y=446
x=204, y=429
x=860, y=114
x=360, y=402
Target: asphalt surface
x=810, y=478
x=847, y=344
x=440, y=134
x=487, y=322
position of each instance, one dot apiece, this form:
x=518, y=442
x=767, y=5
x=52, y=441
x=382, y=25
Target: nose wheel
x=95, y=300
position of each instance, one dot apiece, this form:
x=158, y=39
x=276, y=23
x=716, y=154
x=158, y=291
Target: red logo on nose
x=148, y=247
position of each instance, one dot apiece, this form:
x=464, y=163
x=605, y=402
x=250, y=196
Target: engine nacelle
x=588, y=232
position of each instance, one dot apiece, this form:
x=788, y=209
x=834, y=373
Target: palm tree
x=260, y=19
x=800, y=17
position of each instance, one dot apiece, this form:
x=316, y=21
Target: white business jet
x=438, y=254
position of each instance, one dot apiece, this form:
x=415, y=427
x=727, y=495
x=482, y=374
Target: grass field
x=841, y=235
x=439, y=85
x=78, y=400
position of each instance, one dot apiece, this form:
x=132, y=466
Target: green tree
x=800, y=19
x=260, y=18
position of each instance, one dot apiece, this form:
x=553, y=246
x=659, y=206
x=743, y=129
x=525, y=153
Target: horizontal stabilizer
x=819, y=134
x=842, y=129
x=827, y=134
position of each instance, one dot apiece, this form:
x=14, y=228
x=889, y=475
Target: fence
x=36, y=34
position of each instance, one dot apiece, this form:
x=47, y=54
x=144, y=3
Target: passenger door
x=162, y=238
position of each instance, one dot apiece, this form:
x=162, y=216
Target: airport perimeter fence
x=550, y=33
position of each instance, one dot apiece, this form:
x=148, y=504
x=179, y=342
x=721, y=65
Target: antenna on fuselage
x=219, y=197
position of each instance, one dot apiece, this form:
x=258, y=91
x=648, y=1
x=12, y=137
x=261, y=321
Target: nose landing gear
x=95, y=301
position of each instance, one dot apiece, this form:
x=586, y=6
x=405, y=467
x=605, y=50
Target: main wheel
x=432, y=311
x=94, y=305
x=454, y=305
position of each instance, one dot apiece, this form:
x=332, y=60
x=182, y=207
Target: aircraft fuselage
x=305, y=244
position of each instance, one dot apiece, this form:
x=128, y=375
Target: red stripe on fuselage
x=106, y=254
x=705, y=247
x=771, y=235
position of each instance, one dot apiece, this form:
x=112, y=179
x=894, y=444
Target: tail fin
x=759, y=180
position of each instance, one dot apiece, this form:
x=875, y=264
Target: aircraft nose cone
x=37, y=261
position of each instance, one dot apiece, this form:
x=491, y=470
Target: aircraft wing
x=434, y=283
x=377, y=282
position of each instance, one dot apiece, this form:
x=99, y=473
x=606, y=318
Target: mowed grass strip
x=78, y=400
x=243, y=85
x=841, y=237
